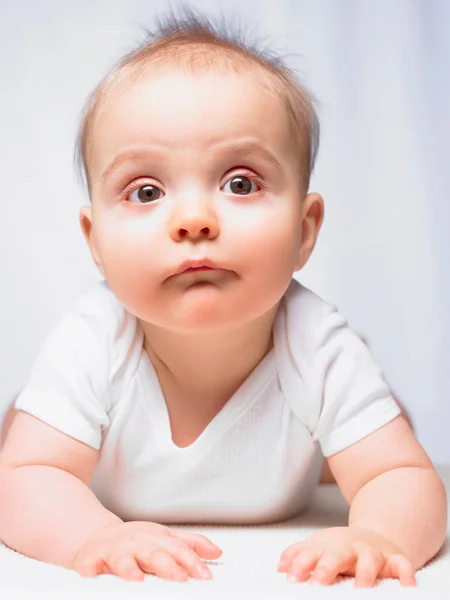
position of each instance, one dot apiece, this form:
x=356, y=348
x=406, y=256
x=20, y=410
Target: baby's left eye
x=241, y=185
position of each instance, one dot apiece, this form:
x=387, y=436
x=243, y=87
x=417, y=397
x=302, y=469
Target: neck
x=209, y=365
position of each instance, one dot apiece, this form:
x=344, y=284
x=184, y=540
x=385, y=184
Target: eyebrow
x=243, y=147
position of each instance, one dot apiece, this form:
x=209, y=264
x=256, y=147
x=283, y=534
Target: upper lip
x=195, y=264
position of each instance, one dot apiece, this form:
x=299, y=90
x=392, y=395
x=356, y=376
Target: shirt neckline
x=240, y=401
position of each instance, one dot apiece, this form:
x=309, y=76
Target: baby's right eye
x=145, y=194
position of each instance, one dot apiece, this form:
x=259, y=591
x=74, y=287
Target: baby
x=198, y=382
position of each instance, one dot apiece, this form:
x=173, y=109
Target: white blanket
x=247, y=568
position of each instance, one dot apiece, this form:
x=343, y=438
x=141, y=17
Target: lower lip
x=192, y=270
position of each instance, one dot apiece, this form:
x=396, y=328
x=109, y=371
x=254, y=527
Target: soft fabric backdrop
x=380, y=71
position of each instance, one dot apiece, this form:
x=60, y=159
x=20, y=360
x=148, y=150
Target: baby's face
x=203, y=166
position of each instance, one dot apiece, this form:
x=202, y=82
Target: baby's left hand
x=361, y=553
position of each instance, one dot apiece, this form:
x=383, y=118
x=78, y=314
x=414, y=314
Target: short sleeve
x=68, y=382
x=354, y=398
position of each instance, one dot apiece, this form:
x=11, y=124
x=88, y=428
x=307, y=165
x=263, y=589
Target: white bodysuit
x=316, y=392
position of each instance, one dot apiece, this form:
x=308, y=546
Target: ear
x=312, y=219
x=86, y=228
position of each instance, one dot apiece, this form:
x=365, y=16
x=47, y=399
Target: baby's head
x=197, y=145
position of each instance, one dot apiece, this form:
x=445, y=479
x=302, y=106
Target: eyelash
x=137, y=184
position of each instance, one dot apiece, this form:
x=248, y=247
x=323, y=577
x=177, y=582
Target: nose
x=195, y=220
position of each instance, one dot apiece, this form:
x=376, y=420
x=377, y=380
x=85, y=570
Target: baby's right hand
x=132, y=549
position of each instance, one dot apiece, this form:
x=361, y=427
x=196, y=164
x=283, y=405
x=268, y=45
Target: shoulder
x=310, y=335
x=99, y=304
x=308, y=319
x=69, y=386
x=96, y=331
x=99, y=314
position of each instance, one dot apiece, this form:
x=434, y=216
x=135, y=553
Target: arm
x=406, y=505
x=394, y=490
x=47, y=510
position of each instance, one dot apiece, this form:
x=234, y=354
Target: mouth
x=195, y=269
x=194, y=266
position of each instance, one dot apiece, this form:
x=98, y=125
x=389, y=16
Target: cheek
x=273, y=245
x=267, y=256
x=122, y=248
x=130, y=262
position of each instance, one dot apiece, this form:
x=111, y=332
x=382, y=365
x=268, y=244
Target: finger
x=158, y=561
x=303, y=564
x=334, y=562
x=369, y=565
x=199, y=544
x=89, y=565
x=288, y=555
x=399, y=566
x=186, y=557
x=125, y=566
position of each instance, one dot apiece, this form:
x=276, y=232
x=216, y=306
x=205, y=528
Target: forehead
x=187, y=113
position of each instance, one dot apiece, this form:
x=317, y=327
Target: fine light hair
x=191, y=43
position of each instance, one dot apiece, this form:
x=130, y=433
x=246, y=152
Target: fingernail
x=204, y=573
x=291, y=578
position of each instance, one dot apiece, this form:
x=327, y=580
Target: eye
x=240, y=184
x=145, y=194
